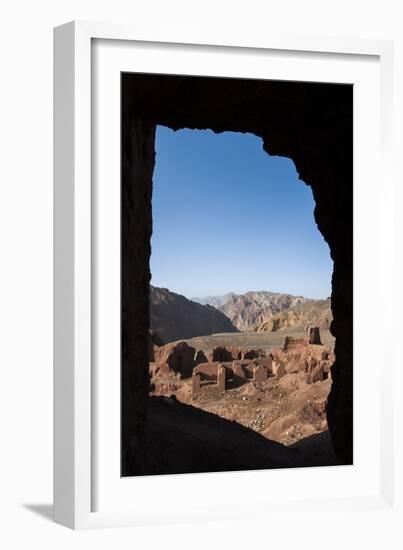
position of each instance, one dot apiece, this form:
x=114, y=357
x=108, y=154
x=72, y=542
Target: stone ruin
x=209, y=374
x=278, y=370
x=224, y=368
x=289, y=343
x=307, y=354
x=214, y=371
x=179, y=357
x=318, y=368
x=200, y=357
x=219, y=376
x=313, y=338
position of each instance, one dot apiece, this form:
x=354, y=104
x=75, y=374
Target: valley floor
x=287, y=411
x=264, y=340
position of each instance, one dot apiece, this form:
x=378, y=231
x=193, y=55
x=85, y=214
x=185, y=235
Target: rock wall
x=137, y=138
x=311, y=123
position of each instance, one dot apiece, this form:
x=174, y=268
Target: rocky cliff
x=174, y=317
x=312, y=312
x=251, y=309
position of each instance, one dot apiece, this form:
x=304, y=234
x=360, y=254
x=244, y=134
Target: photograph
x=202, y=269
x=236, y=274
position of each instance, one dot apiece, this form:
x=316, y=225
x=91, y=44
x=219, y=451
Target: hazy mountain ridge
x=249, y=310
x=174, y=317
x=215, y=301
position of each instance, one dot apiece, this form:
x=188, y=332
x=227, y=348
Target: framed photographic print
x=219, y=225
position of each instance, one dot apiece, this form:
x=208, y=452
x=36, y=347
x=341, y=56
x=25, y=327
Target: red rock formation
x=312, y=312
x=251, y=309
x=317, y=370
x=296, y=356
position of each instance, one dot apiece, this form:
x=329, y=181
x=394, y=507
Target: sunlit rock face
x=310, y=123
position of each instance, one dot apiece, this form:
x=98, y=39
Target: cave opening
x=306, y=122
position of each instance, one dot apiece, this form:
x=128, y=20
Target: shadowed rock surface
x=174, y=317
x=183, y=439
x=317, y=449
x=200, y=357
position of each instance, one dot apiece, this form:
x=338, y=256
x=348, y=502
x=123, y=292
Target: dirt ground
x=284, y=410
x=287, y=410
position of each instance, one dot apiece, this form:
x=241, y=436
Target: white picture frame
x=76, y=470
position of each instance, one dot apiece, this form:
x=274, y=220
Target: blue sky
x=229, y=217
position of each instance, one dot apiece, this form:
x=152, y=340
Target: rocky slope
x=312, y=312
x=251, y=309
x=174, y=317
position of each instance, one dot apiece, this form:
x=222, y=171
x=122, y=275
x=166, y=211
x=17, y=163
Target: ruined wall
x=308, y=122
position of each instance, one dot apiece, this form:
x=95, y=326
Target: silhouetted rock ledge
x=184, y=439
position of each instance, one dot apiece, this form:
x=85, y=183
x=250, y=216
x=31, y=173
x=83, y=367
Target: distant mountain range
x=174, y=317
x=251, y=309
